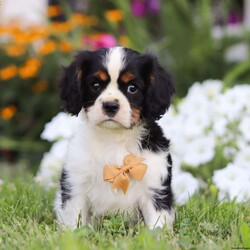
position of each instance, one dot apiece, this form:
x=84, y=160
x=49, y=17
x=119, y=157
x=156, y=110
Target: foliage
x=181, y=35
x=27, y=222
x=179, y=32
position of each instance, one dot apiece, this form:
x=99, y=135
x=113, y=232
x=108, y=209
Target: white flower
x=233, y=102
x=244, y=128
x=212, y=88
x=242, y=158
x=234, y=182
x=52, y=163
x=1, y=182
x=61, y=126
x=196, y=124
x=184, y=186
x=219, y=125
x=200, y=151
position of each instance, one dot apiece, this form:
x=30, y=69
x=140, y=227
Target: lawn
x=27, y=222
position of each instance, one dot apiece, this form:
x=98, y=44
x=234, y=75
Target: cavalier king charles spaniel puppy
x=118, y=159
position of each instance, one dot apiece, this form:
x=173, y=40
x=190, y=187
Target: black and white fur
x=117, y=95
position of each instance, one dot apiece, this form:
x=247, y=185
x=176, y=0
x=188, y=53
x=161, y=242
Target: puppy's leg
x=71, y=205
x=155, y=216
x=74, y=213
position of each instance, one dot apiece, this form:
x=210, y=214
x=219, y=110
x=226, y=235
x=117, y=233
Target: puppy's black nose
x=110, y=108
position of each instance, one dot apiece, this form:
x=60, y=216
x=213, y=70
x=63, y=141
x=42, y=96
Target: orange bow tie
x=118, y=175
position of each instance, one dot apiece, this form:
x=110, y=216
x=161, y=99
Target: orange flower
x=65, y=46
x=47, y=48
x=30, y=68
x=15, y=50
x=124, y=41
x=80, y=19
x=8, y=72
x=40, y=86
x=3, y=30
x=114, y=15
x=54, y=10
x=8, y=112
x=59, y=27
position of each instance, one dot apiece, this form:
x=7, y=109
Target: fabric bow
x=118, y=174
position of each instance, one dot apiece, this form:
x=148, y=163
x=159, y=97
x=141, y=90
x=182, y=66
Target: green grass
x=27, y=222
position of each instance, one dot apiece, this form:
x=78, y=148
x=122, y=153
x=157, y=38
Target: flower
x=54, y=10
x=47, y=48
x=100, y=40
x=65, y=46
x=60, y=27
x=244, y=128
x=15, y=50
x=233, y=182
x=142, y=7
x=8, y=72
x=242, y=158
x=51, y=164
x=114, y=15
x=30, y=68
x=200, y=151
x=138, y=8
x=83, y=20
x=124, y=41
x=60, y=127
x=8, y=112
x=40, y=86
x=184, y=186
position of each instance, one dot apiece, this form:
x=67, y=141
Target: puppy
x=118, y=158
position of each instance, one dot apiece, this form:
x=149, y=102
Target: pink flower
x=100, y=41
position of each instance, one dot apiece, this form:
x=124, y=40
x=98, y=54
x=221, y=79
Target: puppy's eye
x=96, y=86
x=132, y=89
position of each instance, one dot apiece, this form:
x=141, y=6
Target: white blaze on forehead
x=115, y=63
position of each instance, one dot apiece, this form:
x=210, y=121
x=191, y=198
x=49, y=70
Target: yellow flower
x=54, y=10
x=15, y=50
x=30, y=68
x=8, y=72
x=65, y=46
x=47, y=48
x=8, y=112
x=114, y=15
x=40, y=86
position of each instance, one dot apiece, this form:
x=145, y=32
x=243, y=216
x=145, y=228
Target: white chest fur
x=91, y=150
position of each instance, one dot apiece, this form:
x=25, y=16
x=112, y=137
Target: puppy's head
x=116, y=87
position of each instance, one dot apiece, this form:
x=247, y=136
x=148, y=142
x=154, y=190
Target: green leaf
x=245, y=234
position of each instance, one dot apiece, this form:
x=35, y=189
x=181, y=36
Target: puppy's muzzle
x=110, y=108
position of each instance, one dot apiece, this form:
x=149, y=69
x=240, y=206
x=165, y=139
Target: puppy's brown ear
x=160, y=88
x=71, y=83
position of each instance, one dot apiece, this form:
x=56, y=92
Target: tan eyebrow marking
x=102, y=75
x=127, y=77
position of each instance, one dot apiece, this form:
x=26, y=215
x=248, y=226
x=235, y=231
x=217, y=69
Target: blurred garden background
x=196, y=40
x=205, y=44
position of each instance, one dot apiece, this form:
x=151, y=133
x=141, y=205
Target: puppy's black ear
x=71, y=83
x=160, y=88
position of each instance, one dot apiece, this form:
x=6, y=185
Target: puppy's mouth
x=111, y=124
